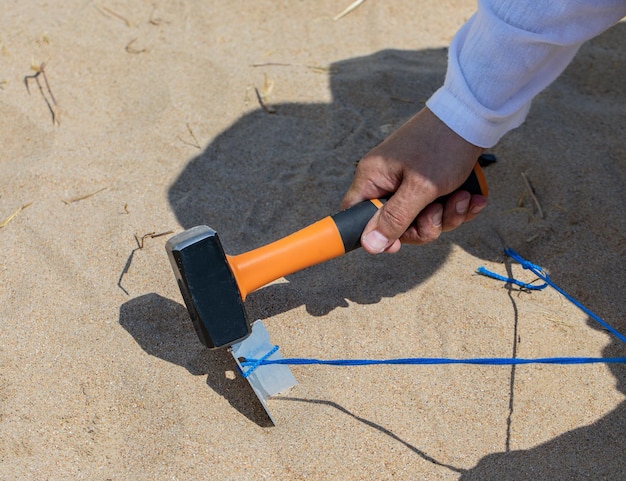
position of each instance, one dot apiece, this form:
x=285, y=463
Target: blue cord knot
x=534, y=268
x=255, y=363
x=525, y=264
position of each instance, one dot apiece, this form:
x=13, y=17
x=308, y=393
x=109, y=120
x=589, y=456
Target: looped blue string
x=510, y=280
x=497, y=361
x=254, y=363
x=539, y=272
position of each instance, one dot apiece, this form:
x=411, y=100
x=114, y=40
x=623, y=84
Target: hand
x=423, y=160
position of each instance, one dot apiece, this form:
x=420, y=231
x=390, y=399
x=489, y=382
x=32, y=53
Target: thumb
x=390, y=222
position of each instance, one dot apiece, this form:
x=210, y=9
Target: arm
x=499, y=60
x=506, y=54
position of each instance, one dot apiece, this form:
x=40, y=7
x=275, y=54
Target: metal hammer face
x=208, y=287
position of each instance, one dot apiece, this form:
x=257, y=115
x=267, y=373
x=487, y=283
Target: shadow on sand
x=253, y=193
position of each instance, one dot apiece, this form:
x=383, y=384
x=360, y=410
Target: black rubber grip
x=351, y=223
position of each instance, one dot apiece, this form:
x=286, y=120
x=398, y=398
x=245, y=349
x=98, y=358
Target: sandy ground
x=157, y=127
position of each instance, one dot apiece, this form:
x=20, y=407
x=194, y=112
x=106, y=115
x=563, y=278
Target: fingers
x=476, y=205
x=434, y=219
x=461, y=207
x=426, y=228
x=374, y=178
x=395, y=217
x=356, y=194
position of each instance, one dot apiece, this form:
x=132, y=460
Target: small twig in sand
x=129, y=261
x=150, y=235
x=314, y=68
x=108, y=11
x=268, y=109
x=532, y=238
x=195, y=143
x=531, y=190
x=403, y=100
x=130, y=49
x=6, y=221
x=350, y=7
x=82, y=197
x=156, y=21
x=40, y=71
x=519, y=209
x=268, y=86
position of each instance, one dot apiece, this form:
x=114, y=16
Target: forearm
x=506, y=54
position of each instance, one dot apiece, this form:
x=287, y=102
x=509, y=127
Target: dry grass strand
x=6, y=221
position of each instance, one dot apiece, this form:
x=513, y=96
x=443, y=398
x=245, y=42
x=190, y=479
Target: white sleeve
x=506, y=54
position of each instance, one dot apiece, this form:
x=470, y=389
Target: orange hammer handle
x=326, y=239
x=312, y=245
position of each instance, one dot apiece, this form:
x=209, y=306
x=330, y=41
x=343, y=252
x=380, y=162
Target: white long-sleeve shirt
x=508, y=52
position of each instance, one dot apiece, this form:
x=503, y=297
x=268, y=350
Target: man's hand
x=423, y=160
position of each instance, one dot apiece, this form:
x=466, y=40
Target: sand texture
x=150, y=123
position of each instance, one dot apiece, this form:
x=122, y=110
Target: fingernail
x=437, y=217
x=375, y=241
x=462, y=205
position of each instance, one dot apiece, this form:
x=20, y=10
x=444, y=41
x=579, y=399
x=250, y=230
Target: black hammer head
x=208, y=287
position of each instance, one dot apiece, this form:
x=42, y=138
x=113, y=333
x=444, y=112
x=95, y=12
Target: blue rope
x=496, y=361
x=539, y=272
x=510, y=280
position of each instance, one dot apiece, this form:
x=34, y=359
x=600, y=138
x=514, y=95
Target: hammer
x=214, y=285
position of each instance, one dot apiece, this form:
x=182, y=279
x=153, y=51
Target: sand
x=157, y=127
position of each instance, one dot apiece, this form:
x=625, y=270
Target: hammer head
x=208, y=287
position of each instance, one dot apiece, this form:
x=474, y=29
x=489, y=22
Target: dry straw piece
x=108, y=11
x=350, y=7
x=195, y=142
x=140, y=245
x=40, y=71
x=150, y=235
x=82, y=197
x=313, y=68
x=6, y=221
x=531, y=191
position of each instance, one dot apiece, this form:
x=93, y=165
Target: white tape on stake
x=266, y=380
